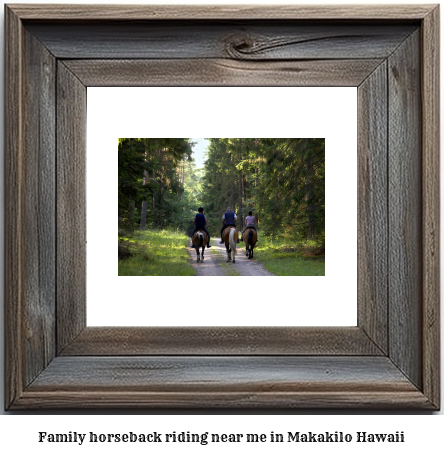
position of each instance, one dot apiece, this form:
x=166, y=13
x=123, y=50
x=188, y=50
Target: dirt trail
x=212, y=264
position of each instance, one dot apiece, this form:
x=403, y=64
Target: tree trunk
x=144, y=203
x=159, y=200
x=131, y=209
x=143, y=216
x=309, y=188
x=154, y=190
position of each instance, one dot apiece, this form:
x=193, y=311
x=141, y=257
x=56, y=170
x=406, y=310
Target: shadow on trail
x=211, y=266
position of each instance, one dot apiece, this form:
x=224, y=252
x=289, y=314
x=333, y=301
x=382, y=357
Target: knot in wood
x=238, y=46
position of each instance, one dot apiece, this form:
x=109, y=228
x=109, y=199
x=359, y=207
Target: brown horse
x=250, y=239
x=230, y=237
x=199, y=239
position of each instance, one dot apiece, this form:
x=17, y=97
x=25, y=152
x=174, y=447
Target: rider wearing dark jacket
x=228, y=219
x=200, y=220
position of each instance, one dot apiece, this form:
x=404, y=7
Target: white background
x=222, y=112
x=18, y=433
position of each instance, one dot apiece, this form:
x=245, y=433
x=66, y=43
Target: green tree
x=149, y=177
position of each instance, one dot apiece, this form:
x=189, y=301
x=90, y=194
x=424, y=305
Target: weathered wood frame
x=390, y=360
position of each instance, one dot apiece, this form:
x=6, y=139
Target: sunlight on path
x=211, y=265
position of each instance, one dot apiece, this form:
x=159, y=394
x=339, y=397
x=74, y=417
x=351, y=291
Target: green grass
x=282, y=258
x=156, y=253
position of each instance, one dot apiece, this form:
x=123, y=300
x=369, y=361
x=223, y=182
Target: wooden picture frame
x=389, y=360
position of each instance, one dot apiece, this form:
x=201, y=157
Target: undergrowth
x=285, y=258
x=154, y=253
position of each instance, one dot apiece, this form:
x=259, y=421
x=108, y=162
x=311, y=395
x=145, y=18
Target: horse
x=250, y=239
x=230, y=236
x=199, y=240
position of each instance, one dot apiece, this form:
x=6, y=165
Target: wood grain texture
x=430, y=94
x=231, y=401
x=372, y=207
x=219, y=12
x=38, y=216
x=127, y=341
x=209, y=373
x=89, y=374
x=259, y=40
x=13, y=209
x=405, y=209
x=221, y=72
x=30, y=208
x=233, y=382
x=71, y=206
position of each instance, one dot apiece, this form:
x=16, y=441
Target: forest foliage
x=282, y=181
x=151, y=180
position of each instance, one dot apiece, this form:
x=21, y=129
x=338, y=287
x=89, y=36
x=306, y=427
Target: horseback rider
x=200, y=220
x=250, y=222
x=228, y=219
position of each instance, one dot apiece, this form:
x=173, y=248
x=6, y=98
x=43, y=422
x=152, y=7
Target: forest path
x=215, y=262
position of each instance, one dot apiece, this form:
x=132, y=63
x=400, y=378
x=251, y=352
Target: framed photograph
x=390, y=359
x=153, y=263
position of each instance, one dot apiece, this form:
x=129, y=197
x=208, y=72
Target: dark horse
x=250, y=239
x=200, y=239
x=230, y=236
